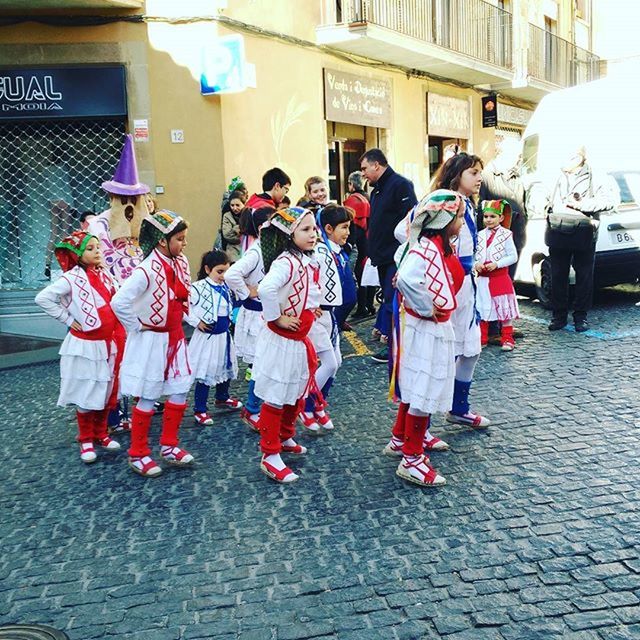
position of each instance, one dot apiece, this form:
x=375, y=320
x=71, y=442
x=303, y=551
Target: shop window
x=50, y=172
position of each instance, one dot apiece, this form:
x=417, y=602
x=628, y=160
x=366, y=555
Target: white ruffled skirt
x=144, y=363
x=502, y=307
x=248, y=326
x=280, y=369
x=86, y=372
x=463, y=319
x=208, y=358
x=427, y=365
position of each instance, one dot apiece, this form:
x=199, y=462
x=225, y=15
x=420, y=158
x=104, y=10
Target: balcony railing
x=556, y=60
x=472, y=27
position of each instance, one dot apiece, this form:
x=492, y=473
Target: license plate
x=621, y=237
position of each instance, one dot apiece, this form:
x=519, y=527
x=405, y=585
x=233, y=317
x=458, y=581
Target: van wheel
x=542, y=275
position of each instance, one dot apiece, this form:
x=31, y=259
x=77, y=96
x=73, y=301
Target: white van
x=602, y=117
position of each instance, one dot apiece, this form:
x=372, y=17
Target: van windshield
x=629, y=185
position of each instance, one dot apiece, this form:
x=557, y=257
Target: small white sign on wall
x=177, y=136
x=141, y=130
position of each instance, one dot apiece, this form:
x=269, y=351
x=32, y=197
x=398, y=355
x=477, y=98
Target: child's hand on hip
x=291, y=323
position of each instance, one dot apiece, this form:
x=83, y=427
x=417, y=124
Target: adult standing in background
x=572, y=228
x=358, y=201
x=391, y=199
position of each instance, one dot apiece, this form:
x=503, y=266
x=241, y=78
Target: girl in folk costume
x=336, y=280
x=285, y=359
x=463, y=173
x=496, y=252
x=243, y=278
x=429, y=277
x=89, y=354
x=151, y=304
x=212, y=354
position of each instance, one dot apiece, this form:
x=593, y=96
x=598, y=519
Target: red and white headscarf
x=70, y=249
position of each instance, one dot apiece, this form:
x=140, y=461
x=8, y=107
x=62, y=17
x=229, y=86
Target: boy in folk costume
x=496, y=252
x=151, y=304
x=429, y=277
x=88, y=356
x=285, y=359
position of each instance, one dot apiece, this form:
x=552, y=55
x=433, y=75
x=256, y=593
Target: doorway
x=346, y=144
x=437, y=147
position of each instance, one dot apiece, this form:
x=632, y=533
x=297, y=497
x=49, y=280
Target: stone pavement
x=536, y=534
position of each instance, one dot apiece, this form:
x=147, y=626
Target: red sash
x=175, y=313
x=499, y=282
x=307, y=318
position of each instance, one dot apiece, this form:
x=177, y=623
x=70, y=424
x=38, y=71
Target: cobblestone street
x=535, y=535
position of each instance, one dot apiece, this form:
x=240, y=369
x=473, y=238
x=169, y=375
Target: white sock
x=275, y=461
x=428, y=437
x=289, y=442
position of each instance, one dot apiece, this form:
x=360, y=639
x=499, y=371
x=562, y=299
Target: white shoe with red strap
x=109, y=444
x=433, y=443
x=291, y=446
x=203, y=418
x=229, y=403
x=283, y=474
x=176, y=456
x=393, y=448
x=310, y=423
x=323, y=419
x=470, y=419
x=417, y=469
x=251, y=420
x=87, y=452
x=144, y=466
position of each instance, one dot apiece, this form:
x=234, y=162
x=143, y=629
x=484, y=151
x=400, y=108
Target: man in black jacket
x=391, y=199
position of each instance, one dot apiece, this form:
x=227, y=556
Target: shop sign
x=224, y=68
x=63, y=92
x=448, y=117
x=357, y=100
x=513, y=115
x=489, y=111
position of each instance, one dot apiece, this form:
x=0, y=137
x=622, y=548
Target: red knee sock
x=506, y=335
x=398, y=426
x=484, y=332
x=140, y=423
x=85, y=426
x=288, y=421
x=100, y=431
x=415, y=428
x=269, y=425
x=171, y=419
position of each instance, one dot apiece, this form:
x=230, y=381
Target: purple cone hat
x=125, y=180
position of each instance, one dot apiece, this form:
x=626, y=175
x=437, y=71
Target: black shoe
x=382, y=357
x=557, y=324
x=581, y=326
x=359, y=313
x=372, y=311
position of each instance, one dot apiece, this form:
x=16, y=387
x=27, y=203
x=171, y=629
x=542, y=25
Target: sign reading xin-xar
x=356, y=99
x=62, y=92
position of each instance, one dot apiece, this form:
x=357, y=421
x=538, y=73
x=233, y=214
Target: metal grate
x=50, y=172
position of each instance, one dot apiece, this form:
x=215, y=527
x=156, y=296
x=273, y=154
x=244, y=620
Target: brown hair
x=448, y=176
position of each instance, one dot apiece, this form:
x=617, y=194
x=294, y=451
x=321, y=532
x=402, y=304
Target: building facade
x=215, y=89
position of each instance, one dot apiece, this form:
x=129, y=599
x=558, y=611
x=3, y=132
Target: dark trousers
x=386, y=272
x=561, y=260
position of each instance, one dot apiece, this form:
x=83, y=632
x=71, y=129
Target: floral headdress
x=70, y=249
x=155, y=227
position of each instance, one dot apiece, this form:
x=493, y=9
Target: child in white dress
x=496, y=252
x=152, y=304
x=429, y=277
x=243, y=278
x=88, y=356
x=285, y=359
x=212, y=354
